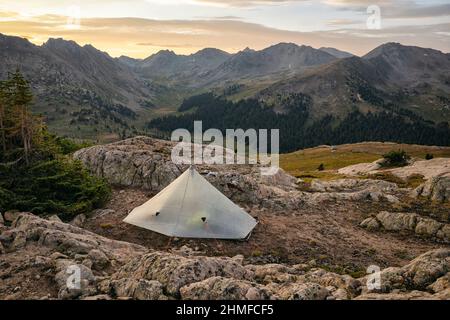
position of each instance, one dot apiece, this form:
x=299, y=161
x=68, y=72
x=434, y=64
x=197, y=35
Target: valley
x=86, y=94
x=363, y=183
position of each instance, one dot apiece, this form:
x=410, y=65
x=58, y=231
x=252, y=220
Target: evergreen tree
x=35, y=173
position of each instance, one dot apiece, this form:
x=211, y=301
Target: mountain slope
x=413, y=78
x=110, y=78
x=283, y=57
x=337, y=53
x=167, y=64
x=80, y=90
x=83, y=92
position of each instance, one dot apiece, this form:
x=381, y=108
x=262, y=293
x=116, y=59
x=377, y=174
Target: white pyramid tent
x=191, y=207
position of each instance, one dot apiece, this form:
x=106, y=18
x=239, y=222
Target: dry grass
x=304, y=163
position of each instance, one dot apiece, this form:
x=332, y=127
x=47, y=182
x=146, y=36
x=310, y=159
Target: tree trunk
x=24, y=134
x=2, y=129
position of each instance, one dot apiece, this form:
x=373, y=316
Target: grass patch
x=310, y=159
x=308, y=176
x=304, y=163
x=413, y=181
x=387, y=176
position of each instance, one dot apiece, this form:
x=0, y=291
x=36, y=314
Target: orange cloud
x=126, y=36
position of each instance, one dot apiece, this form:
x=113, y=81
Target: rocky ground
x=313, y=241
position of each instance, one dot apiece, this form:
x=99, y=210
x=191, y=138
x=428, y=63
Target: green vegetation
x=395, y=159
x=35, y=172
x=297, y=129
x=304, y=163
x=429, y=156
x=68, y=146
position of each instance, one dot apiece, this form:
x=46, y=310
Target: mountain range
x=83, y=92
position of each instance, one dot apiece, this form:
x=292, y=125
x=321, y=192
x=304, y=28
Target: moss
x=415, y=180
x=256, y=253
x=402, y=254
x=107, y=226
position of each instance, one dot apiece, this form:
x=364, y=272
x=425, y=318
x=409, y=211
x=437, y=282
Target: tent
x=191, y=207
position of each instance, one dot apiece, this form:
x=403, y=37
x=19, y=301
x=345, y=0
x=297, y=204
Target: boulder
x=10, y=216
x=146, y=163
x=361, y=168
x=441, y=284
x=410, y=222
x=220, y=288
x=427, y=227
x=261, y=272
x=99, y=259
x=436, y=167
x=41, y=261
x=351, y=190
x=65, y=238
x=20, y=240
x=436, y=189
x=444, y=233
x=78, y=221
x=416, y=275
x=98, y=297
x=280, y=178
x=428, y=267
x=54, y=218
x=100, y=213
x=413, y=295
x=140, y=289
x=74, y=280
x=340, y=294
x=138, y=162
x=300, y=291
x=175, y=271
x=58, y=255
x=395, y=221
x=370, y=224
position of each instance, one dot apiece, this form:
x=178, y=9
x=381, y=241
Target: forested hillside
x=297, y=131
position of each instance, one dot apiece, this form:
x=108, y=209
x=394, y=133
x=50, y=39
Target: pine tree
x=25, y=124
x=3, y=101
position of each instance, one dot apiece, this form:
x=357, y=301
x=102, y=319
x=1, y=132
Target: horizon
x=141, y=28
x=201, y=49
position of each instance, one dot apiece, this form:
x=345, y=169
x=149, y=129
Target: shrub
x=36, y=174
x=396, y=158
x=69, y=146
x=429, y=156
x=321, y=167
x=59, y=186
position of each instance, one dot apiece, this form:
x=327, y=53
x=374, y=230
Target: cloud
x=245, y=3
x=140, y=38
x=8, y=14
x=224, y=3
x=343, y=22
x=419, y=11
x=394, y=9
x=166, y=45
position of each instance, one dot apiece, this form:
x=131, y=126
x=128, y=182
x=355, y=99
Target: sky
x=139, y=28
